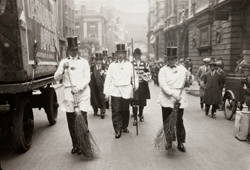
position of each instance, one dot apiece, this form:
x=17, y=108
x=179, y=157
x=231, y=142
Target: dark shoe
x=79, y=152
x=132, y=115
x=118, y=134
x=126, y=130
x=95, y=113
x=202, y=106
x=213, y=115
x=181, y=147
x=135, y=122
x=142, y=118
x=74, y=150
x=168, y=146
x=102, y=115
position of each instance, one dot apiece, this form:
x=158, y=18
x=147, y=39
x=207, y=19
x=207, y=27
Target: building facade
x=204, y=28
x=66, y=23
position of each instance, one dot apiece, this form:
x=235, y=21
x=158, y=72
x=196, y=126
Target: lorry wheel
x=51, y=105
x=23, y=125
x=229, y=106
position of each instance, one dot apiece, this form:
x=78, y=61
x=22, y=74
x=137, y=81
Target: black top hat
x=120, y=48
x=171, y=52
x=110, y=56
x=137, y=51
x=98, y=56
x=105, y=53
x=72, y=43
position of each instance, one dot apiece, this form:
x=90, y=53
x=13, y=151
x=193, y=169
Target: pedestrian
x=118, y=85
x=105, y=59
x=172, y=78
x=75, y=72
x=97, y=85
x=223, y=81
x=199, y=77
x=212, y=92
x=141, y=68
x=239, y=62
x=157, y=69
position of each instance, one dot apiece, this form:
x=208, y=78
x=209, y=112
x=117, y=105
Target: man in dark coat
x=199, y=77
x=143, y=92
x=105, y=59
x=213, y=84
x=97, y=85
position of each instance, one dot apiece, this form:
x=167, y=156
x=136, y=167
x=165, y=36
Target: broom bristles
x=85, y=141
x=167, y=132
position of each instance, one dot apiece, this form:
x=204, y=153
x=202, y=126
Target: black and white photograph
x=125, y=84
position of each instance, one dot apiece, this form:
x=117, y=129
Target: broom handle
x=76, y=104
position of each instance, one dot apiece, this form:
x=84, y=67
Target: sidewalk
x=194, y=89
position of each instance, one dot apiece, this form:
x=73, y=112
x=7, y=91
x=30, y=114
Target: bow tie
x=174, y=66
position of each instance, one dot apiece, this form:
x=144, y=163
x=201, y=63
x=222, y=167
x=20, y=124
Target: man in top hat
x=118, y=86
x=75, y=73
x=105, y=59
x=172, y=78
x=143, y=92
x=97, y=85
x=114, y=58
x=199, y=77
x=212, y=85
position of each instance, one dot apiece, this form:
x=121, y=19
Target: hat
x=206, y=60
x=120, y=48
x=72, y=42
x=105, y=53
x=212, y=63
x=110, y=56
x=98, y=56
x=171, y=53
x=181, y=60
x=218, y=63
x=137, y=51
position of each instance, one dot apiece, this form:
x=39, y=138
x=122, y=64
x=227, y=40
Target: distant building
x=65, y=24
x=200, y=29
x=95, y=21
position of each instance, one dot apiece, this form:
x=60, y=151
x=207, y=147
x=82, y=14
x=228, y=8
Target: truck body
x=28, y=40
x=28, y=61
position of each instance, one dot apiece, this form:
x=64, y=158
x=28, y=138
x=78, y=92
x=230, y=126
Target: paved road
x=210, y=144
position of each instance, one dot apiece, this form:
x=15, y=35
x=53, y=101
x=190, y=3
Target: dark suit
x=212, y=95
x=96, y=86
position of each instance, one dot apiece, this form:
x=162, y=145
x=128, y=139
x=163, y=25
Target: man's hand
x=65, y=65
x=75, y=90
x=176, y=97
x=106, y=97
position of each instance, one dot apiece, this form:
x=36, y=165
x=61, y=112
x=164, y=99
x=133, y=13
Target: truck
x=28, y=61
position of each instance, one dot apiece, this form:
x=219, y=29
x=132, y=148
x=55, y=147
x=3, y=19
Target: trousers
x=71, y=125
x=180, y=129
x=120, y=113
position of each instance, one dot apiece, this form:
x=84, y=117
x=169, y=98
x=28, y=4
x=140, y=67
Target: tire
x=229, y=107
x=51, y=105
x=23, y=125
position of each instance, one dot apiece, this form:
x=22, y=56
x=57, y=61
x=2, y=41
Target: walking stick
x=135, y=108
x=85, y=141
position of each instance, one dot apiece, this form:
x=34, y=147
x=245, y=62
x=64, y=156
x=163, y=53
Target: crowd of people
x=113, y=82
